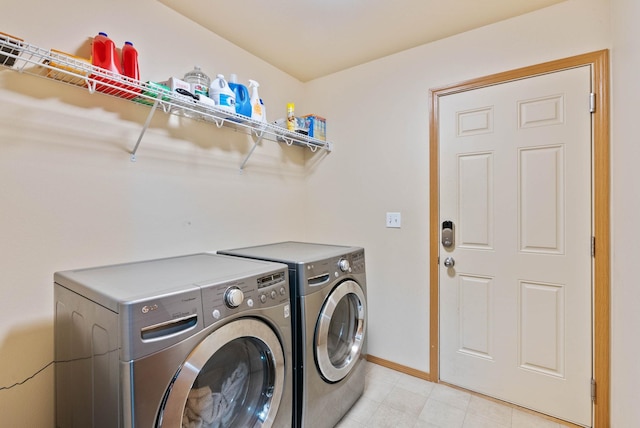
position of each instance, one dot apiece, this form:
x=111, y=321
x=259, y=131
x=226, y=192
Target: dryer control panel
x=351, y=263
x=258, y=292
x=357, y=261
x=317, y=274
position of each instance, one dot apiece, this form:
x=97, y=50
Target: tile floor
x=396, y=400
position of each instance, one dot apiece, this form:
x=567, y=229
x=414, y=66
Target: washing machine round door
x=233, y=378
x=340, y=331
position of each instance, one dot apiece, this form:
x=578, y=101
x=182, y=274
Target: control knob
x=343, y=264
x=233, y=297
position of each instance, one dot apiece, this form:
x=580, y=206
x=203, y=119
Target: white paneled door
x=516, y=280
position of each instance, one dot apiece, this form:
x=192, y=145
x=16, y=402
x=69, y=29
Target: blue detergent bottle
x=243, y=101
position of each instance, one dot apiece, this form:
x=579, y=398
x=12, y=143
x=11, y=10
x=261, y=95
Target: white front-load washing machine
x=201, y=340
x=328, y=289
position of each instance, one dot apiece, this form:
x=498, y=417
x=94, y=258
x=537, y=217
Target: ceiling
x=313, y=38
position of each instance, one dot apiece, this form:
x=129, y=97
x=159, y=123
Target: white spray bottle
x=257, y=111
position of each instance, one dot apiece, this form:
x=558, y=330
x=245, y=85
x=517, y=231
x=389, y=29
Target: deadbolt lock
x=448, y=235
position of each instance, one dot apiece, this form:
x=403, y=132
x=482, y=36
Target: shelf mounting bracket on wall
x=144, y=128
x=255, y=144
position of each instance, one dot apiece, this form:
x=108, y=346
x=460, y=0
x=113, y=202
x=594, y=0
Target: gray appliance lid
x=292, y=252
x=113, y=285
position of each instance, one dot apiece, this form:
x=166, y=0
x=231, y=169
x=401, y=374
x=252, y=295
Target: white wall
x=378, y=115
x=625, y=315
x=70, y=196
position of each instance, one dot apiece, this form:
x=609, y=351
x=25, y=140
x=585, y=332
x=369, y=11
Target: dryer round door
x=233, y=378
x=340, y=330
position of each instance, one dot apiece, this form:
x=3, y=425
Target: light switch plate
x=394, y=220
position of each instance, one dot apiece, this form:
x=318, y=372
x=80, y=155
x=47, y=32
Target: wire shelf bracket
x=144, y=129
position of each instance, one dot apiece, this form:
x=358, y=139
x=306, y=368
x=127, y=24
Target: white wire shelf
x=23, y=57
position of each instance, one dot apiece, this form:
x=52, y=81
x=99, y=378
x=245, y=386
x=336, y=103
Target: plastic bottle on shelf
x=291, y=117
x=198, y=81
x=243, y=102
x=130, y=61
x=222, y=94
x=264, y=111
x=104, y=53
x=257, y=111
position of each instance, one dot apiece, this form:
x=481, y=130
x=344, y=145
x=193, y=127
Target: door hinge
x=592, y=102
x=593, y=390
x=593, y=246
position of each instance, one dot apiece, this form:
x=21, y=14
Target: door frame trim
x=599, y=62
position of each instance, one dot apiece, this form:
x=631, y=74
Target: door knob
x=449, y=262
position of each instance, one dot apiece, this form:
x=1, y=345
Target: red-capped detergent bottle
x=104, y=53
x=130, y=61
x=131, y=70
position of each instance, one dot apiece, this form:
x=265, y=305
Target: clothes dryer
x=328, y=286
x=202, y=340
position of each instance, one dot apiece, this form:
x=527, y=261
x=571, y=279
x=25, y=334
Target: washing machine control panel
x=257, y=292
x=351, y=263
x=320, y=273
x=357, y=261
x=233, y=297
